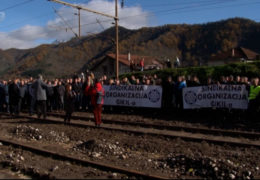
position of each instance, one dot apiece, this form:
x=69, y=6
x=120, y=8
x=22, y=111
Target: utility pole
x=117, y=46
x=103, y=14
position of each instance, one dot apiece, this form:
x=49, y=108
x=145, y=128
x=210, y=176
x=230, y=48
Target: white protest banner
x=215, y=96
x=133, y=95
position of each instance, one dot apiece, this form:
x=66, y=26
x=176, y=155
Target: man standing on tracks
x=40, y=95
x=97, y=94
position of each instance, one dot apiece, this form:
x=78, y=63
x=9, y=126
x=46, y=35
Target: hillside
x=190, y=43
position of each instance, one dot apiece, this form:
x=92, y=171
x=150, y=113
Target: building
x=233, y=55
x=107, y=65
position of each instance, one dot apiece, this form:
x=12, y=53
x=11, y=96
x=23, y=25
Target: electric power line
x=161, y=12
x=65, y=22
x=185, y=3
x=89, y=15
x=35, y=18
x=169, y=11
x=156, y=11
x=16, y=5
x=173, y=11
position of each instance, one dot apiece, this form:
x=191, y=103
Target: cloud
x=2, y=16
x=7, y=41
x=29, y=33
x=56, y=29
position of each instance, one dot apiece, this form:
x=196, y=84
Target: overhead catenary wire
x=169, y=11
x=145, y=14
x=175, y=10
x=98, y=21
x=90, y=15
x=66, y=23
x=191, y=5
x=185, y=3
x=172, y=11
x=151, y=13
x=210, y=8
x=16, y=5
x=35, y=18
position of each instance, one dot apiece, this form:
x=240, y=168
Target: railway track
x=220, y=140
x=245, y=134
x=63, y=157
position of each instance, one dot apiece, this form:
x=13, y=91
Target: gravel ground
x=7, y=173
x=36, y=166
x=172, y=158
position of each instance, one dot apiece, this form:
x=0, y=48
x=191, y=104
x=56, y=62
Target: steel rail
x=246, y=134
x=217, y=140
x=60, y=156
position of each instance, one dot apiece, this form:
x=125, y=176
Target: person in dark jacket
x=50, y=97
x=84, y=100
x=86, y=87
x=69, y=103
x=210, y=81
x=97, y=94
x=76, y=87
x=6, y=103
x=168, y=93
x=2, y=97
x=31, y=98
x=23, y=91
x=55, y=95
x=40, y=96
x=60, y=98
x=194, y=82
x=14, y=97
x=222, y=80
x=238, y=80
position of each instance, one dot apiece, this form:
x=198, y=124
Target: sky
x=28, y=23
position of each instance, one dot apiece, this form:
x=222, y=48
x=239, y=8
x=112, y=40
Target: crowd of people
x=41, y=96
x=85, y=92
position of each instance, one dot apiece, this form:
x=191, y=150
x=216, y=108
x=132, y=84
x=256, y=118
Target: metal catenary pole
x=117, y=46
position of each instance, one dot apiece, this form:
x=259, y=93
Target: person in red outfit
x=97, y=94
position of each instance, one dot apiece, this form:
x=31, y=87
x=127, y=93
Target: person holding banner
x=168, y=95
x=97, y=94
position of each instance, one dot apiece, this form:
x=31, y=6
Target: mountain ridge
x=193, y=44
